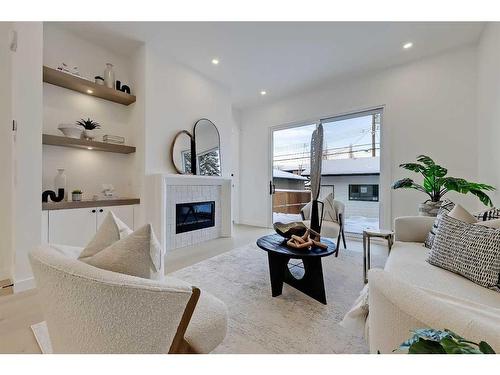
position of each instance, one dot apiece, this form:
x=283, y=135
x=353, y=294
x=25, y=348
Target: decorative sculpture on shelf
x=52, y=195
x=316, y=161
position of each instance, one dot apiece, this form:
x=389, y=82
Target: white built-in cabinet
x=77, y=226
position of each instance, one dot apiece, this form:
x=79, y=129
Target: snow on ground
x=353, y=224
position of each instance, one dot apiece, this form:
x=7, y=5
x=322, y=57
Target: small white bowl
x=70, y=130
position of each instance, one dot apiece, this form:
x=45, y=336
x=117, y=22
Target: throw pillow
x=495, y=224
x=445, y=208
x=472, y=251
x=489, y=214
x=139, y=254
x=460, y=213
x=111, y=230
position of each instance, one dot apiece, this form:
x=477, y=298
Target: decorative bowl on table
x=288, y=229
x=70, y=130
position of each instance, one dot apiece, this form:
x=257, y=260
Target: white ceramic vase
x=109, y=76
x=60, y=182
x=89, y=134
x=429, y=208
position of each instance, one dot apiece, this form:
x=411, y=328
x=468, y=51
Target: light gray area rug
x=290, y=323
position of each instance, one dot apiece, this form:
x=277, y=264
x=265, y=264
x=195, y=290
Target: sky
x=293, y=143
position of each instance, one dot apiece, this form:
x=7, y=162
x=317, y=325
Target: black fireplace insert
x=193, y=216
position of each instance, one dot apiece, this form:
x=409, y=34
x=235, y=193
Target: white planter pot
x=89, y=134
x=429, y=208
x=76, y=197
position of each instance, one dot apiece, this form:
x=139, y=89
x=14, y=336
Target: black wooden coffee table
x=279, y=254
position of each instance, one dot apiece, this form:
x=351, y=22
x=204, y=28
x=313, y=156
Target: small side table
x=367, y=235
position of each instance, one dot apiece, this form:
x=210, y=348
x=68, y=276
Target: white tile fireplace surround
x=166, y=191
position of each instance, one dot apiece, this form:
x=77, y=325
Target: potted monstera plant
x=436, y=184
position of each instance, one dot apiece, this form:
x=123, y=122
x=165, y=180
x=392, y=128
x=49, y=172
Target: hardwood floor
x=17, y=313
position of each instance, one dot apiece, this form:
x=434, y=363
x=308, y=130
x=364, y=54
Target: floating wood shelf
x=55, y=140
x=68, y=81
x=47, y=206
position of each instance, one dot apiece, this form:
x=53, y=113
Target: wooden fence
x=290, y=201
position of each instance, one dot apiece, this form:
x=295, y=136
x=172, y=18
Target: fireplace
x=193, y=216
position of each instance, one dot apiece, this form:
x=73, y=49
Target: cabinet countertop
x=64, y=205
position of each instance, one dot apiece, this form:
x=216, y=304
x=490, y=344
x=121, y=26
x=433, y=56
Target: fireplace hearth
x=193, y=216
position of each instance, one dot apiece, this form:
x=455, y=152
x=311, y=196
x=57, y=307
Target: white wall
x=87, y=170
x=429, y=109
x=488, y=108
x=27, y=110
x=6, y=156
x=177, y=97
x=341, y=193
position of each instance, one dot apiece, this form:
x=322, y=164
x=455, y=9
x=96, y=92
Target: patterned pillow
x=445, y=208
x=489, y=214
x=472, y=251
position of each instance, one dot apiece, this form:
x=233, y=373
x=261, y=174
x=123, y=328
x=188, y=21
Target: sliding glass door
x=351, y=164
x=350, y=169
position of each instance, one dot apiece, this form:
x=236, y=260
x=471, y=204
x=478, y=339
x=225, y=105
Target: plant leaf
x=403, y=183
x=425, y=159
x=452, y=346
x=414, y=167
x=485, y=348
x=423, y=346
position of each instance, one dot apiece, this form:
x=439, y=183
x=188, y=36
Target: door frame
x=385, y=206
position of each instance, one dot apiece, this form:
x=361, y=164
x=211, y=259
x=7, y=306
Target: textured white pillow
x=138, y=254
x=460, y=213
x=111, y=230
x=495, y=223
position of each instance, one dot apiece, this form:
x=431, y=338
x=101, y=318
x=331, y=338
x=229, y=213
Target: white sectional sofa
x=410, y=293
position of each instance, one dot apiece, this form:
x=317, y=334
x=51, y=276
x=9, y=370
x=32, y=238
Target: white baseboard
x=252, y=223
x=22, y=285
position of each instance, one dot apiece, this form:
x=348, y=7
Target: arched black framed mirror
x=207, y=148
x=182, y=152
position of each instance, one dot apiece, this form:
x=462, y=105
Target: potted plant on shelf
x=89, y=127
x=436, y=185
x=76, y=195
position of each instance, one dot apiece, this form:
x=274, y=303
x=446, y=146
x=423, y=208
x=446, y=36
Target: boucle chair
x=90, y=310
x=332, y=225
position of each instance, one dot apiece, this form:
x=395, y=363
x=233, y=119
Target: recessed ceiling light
x=215, y=61
x=90, y=92
x=263, y=92
x=89, y=148
x=407, y=45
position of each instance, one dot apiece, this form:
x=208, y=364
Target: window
x=363, y=193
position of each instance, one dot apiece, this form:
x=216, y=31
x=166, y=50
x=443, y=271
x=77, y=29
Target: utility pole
x=373, y=135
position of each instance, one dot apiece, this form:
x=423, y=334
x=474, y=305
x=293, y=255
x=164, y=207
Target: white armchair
x=332, y=225
x=90, y=310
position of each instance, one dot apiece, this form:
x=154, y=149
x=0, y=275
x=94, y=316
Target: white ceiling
x=282, y=58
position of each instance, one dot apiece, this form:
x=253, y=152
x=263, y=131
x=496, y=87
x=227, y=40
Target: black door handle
x=272, y=188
